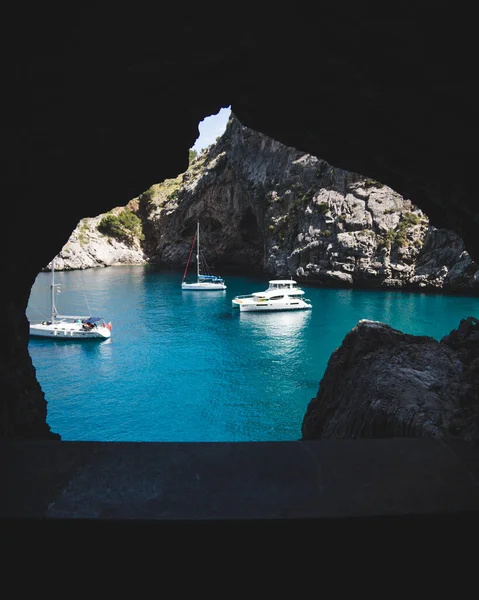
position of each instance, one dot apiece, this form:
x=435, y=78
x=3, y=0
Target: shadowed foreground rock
x=384, y=383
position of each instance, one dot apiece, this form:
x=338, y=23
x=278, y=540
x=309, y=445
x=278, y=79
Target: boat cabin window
x=286, y=285
x=276, y=297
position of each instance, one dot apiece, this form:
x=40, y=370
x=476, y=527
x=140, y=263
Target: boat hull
x=209, y=287
x=68, y=331
x=272, y=306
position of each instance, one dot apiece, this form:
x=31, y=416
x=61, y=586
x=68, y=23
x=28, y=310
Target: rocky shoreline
x=288, y=213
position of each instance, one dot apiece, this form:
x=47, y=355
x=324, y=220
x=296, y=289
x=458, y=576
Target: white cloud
x=211, y=128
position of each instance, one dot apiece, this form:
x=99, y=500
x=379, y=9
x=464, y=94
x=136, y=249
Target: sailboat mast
x=197, y=250
x=52, y=286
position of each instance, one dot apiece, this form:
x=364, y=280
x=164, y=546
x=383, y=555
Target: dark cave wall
x=100, y=109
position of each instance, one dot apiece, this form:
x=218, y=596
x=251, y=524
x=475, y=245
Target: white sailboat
x=68, y=327
x=204, y=280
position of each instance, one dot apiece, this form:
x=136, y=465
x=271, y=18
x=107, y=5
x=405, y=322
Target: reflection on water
x=66, y=357
x=280, y=324
x=280, y=333
x=203, y=298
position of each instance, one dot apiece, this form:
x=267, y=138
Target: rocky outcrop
x=444, y=263
x=87, y=247
x=384, y=383
x=268, y=207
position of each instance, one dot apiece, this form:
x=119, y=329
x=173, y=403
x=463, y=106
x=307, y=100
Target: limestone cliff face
x=444, y=263
x=87, y=247
x=267, y=207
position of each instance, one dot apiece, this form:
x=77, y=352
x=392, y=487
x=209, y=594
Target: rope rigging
x=189, y=257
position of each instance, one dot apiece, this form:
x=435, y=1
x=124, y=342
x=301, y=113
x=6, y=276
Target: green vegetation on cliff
x=125, y=227
x=160, y=193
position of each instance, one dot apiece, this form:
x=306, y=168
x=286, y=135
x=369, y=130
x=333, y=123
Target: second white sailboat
x=204, y=279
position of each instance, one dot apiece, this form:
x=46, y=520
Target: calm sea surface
x=184, y=366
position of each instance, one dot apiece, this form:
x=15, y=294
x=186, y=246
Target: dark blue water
x=185, y=366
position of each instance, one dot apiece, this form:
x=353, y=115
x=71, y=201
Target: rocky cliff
x=88, y=247
x=384, y=383
x=268, y=207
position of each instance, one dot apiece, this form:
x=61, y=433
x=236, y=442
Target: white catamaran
x=204, y=280
x=282, y=294
x=65, y=327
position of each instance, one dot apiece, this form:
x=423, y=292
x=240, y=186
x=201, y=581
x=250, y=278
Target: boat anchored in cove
x=204, y=280
x=282, y=294
x=69, y=327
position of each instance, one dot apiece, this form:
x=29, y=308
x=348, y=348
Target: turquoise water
x=183, y=366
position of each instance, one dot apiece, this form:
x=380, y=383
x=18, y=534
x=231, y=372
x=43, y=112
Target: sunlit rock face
x=102, y=109
x=267, y=207
x=291, y=214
